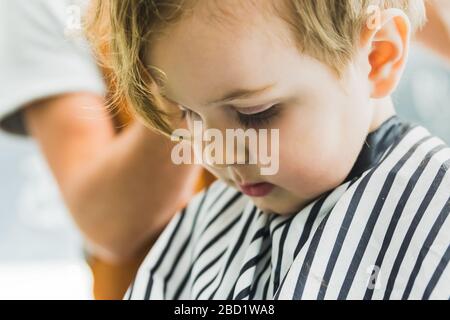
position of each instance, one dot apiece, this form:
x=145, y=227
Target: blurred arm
x=121, y=189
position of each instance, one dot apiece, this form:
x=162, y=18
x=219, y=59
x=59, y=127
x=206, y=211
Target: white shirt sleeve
x=39, y=58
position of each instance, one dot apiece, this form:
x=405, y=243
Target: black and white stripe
x=382, y=235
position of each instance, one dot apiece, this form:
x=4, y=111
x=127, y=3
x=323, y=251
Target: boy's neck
x=384, y=109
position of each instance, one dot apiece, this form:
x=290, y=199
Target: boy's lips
x=257, y=189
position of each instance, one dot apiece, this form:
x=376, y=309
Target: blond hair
x=121, y=31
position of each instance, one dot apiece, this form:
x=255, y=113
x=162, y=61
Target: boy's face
x=322, y=119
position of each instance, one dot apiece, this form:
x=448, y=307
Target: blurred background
x=40, y=248
x=423, y=95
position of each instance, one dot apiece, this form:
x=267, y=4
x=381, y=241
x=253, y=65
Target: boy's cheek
x=310, y=176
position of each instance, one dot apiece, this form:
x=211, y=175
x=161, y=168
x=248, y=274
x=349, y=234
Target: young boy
x=358, y=208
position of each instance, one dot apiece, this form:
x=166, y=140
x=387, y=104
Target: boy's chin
x=280, y=206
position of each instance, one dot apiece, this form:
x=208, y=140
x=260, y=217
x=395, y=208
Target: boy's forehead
x=196, y=39
x=202, y=60
x=207, y=61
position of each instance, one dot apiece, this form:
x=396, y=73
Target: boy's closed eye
x=247, y=117
x=261, y=116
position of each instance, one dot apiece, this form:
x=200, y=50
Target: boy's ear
x=387, y=42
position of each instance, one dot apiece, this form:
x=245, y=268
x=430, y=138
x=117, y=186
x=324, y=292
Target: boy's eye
x=258, y=119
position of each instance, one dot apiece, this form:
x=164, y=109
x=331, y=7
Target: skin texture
x=323, y=118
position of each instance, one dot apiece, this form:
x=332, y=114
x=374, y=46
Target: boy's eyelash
x=258, y=119
x=248, y=120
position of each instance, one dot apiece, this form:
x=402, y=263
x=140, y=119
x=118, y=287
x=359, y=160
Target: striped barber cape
x=382, y=234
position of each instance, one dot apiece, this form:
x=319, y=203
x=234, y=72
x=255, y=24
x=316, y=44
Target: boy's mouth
x=258, y=190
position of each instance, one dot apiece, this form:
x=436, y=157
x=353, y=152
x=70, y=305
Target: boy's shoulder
x=417, y=153
x=412, y=181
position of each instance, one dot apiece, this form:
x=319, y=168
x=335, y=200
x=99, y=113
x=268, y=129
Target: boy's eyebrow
x=230, y=96
x=241, y=94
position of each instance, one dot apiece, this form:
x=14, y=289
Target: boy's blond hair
x=122, y=30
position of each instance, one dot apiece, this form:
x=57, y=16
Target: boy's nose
x=226, y=157
x=214, y=131
x=231, y=150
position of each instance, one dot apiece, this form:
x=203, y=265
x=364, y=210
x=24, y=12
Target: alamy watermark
x=374, y=280
x=74, y=16
x=374, y=17
x=234, y=147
